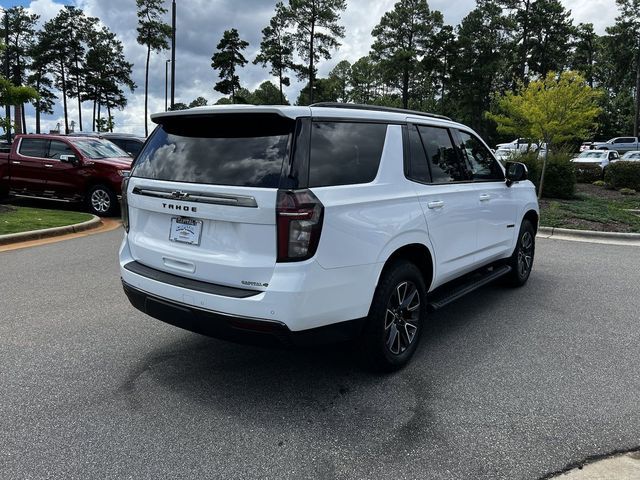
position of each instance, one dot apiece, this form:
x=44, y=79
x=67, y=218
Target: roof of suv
x=326, y=110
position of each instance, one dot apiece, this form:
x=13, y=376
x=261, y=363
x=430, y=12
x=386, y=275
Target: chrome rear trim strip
x=198, y=197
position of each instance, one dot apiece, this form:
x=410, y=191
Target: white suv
x=327, y=222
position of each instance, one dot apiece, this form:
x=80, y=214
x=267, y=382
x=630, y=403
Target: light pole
x=173, y=53
x=166, y=81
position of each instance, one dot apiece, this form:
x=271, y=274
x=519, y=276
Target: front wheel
x=521, y=261
x=396, y=317
x=102, y=201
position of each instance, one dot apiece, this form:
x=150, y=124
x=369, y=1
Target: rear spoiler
x=282, y=110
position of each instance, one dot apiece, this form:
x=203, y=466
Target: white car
x=320, y=223
x=631, y=157
x=521, y=145
x=596, y=157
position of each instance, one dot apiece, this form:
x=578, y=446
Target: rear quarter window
x=345, y=153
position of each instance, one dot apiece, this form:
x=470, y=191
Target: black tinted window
x=344, y=153
x=241, y=150
x=133, y=147
x=57, y=148
x=418, y=167
x=33, y=147
x=446, y=165
x=483, y=165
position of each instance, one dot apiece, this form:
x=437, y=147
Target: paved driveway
x=509, y=384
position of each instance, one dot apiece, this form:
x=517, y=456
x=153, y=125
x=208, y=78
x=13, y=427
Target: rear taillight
x=124, y=205
x=299, y=218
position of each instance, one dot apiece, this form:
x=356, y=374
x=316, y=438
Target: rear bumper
x=301, y=295
x=238, y=329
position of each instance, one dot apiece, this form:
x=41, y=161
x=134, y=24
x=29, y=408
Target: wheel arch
x=418, y=254
x=533, y=217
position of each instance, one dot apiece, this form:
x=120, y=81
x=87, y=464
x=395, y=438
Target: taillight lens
x=124, y=205
x=299, y=218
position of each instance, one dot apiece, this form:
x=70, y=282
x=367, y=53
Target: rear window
x=238, y=150
x=344, y=153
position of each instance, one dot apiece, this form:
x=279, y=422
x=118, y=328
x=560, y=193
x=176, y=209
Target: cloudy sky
x=200, y=24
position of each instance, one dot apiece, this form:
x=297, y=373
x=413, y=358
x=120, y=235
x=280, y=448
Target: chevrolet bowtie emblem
x=179, y=195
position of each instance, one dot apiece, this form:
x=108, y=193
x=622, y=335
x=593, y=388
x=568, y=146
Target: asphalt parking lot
x=508, y=384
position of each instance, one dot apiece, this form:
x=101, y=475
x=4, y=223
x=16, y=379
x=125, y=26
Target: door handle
x=485, y=197
x=15, y=162
x=436, y=204
x=48, y=165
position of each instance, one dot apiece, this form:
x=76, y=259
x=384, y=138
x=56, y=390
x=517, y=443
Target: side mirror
x=72, y=159
x=516, y=172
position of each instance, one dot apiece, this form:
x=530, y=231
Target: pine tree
x=316, y=33
x=226, y=60
x=403, y=35
x=276, y=48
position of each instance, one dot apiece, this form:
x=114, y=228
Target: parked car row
x=73, y=168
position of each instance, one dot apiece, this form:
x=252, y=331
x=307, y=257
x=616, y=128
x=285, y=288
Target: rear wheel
x=521, y=260
x=102, y=201
x=396, y=317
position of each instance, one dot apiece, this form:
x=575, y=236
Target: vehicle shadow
x=295, y=388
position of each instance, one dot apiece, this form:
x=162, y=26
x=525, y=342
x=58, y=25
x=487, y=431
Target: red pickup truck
x=81, y=169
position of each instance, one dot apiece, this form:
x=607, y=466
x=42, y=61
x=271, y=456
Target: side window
x=446, y=165
x=345, y=153
x=613, y=155
x=33, y=147
x=57, y=148
x=133, y=147
x=418, y=167
x=483, y=165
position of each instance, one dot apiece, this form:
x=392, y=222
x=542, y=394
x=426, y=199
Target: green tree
x=268, y=94
x=324, y=90
x=585, y=51
x=227, y=59
x=626, y=50
x=179, y=106
x=341, y=76
x=316, y=33
x=480, y=65
x=554, y=109
x=404, y=35
x=106, y=72
x=152, y=33
x=364, y=80
x=199, y=102
x=552, y=29
x=21, y=37
x=276, y=48
x=39, y=79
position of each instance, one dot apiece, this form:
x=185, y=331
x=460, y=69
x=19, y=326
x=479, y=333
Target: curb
x=94, y=222
x=613, y=238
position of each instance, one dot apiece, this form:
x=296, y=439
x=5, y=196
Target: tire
x=396, y=318
x=521, y=260
x=101, y=201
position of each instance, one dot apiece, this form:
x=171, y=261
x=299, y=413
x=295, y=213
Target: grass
x=594, y=208
x=22, y=219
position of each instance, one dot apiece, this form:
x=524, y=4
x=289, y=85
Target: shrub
x=559, y=178
x=623, y=174
x=587, y=173
x=627, y=191
x=600, y=183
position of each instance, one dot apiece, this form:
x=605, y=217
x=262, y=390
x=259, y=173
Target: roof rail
x=376, y=108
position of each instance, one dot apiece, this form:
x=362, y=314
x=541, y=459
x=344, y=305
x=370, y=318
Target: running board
x=449, y=295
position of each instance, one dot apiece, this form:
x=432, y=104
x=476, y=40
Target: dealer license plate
x=185, y=230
